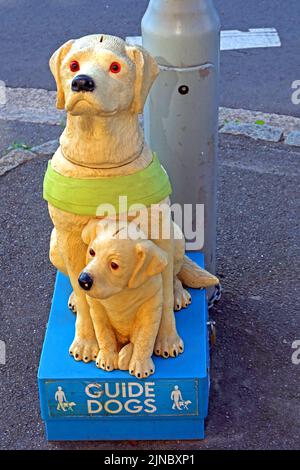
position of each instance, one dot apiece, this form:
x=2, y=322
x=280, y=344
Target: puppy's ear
x=89, y=232
x=55, y=63
x=151, y=260
x=146, y=72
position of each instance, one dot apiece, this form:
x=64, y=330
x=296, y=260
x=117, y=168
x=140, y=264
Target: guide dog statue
x=102, y=83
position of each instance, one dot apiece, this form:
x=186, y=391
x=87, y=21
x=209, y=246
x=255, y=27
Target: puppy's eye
x=114, y=266
x=115, y=67
x=74, y=66
x=92, y=252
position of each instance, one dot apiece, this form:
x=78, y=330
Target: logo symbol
x=63, y=404
x=178, y=402
x=296, y=354
x=2, y=353
x=296, y=93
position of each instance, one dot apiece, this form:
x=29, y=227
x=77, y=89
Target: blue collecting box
x=81, y=402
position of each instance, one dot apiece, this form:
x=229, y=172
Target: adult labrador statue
x=102, y=83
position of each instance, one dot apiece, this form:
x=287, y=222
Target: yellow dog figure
x=124, y=276
x=103, y=83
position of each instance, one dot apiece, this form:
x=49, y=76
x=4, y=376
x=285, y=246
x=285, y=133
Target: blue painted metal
x=81, y=402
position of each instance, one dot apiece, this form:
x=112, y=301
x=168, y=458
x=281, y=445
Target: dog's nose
x=83, y=83
x=85, y=281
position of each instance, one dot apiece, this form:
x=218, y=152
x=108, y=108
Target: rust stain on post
x=204, y=72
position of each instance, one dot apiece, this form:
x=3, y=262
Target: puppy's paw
x=72, y=302
x=182, y=298
x=85, y=350
x=168, y=346
x=141, y=368
x=107, y=360
x=125, y=356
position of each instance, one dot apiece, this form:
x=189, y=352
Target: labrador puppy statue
x=124, y=275
x=102, y=83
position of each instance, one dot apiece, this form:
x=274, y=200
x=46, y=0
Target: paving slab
x=293, y=138
x=282, y=121
x=15, y=158
x=36, y=105
x=47, y=148
x=16, y=132
x=255, y=397
x=255, y=131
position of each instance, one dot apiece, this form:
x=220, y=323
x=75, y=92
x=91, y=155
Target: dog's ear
x=89, y=232
x=146, y=72
x=151, y=260
x=55, y=63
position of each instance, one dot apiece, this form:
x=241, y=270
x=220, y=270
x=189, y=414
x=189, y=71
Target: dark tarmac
x=255, y=395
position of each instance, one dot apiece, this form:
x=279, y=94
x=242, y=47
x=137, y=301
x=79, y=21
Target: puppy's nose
x=85, y=281
x=83, y=83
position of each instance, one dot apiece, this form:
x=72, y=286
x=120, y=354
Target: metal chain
x=211, y=324
x=215, y=297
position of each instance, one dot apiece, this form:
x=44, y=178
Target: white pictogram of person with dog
x=178, y=402
x=63, y=403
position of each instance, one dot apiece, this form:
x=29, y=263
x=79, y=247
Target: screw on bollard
x=181, y=115
x=183, y=89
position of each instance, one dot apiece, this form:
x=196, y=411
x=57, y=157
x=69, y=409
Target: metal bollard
x=181, y=115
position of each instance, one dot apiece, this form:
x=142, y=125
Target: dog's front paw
x=182, y=298
x=141, y=368
x=72, y=302
x=107, y=360
x=83, y=349
x=125, y=356
x=168, y=346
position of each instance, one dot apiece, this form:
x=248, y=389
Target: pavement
x=255, y=387
x=256, y=79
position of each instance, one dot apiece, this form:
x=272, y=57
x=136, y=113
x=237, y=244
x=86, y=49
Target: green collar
x=84, y=196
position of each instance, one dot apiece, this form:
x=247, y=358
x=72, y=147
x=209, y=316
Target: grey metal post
x=181, y=115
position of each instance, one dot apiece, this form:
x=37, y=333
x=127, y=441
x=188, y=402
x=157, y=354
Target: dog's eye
x=115, y=67
x=114, y=266
x=74, y=66
x=92, y=252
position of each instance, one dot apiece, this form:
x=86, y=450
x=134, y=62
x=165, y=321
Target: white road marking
x=235, y=39
x=252, y=39
x=135, y=40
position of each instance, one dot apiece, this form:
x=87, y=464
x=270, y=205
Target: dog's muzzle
x=83, y=83
x=85, y=281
